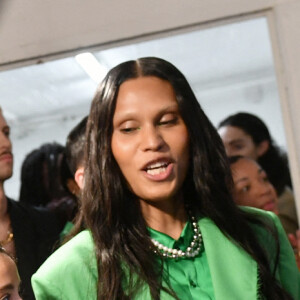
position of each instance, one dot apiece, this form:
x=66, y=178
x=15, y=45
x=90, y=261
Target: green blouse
x=189, y=278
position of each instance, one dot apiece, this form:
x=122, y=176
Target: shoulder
x=265, y=224
x=72, y=265
x=284, y=264
x=42, y=221
x=79, y=250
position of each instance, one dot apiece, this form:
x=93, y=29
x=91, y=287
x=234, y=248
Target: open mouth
x=157, y=168
x=269, y=206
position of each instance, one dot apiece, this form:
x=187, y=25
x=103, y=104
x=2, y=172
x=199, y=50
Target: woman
x=251, y=185
x=156, y=183
x=253, y=188
x=9, y=277
x=247, y=135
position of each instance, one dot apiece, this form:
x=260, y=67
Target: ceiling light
x=91, y=66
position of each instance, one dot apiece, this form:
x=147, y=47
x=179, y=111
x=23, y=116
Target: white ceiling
x=210, y=58
x=225, y=63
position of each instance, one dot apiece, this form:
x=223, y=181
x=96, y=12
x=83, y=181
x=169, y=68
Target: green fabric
x=71, y=273
x=189, y=278
x=66, y=230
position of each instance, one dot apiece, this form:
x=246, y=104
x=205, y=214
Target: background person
x=9, y=277
x=247, y=135
x=73, y=180
x=26, y=233
x=253, y=188
x=157, y=202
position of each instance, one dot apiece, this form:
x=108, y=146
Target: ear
x=79, y=177
x=262, y=148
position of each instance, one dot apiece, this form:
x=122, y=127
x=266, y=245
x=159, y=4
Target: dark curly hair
x=273, y=161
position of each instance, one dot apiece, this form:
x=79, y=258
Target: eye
x=266, y=179
x=5, y=297
x=245, y=189
x=129, y=129
x=238, y=146
x=168, y=119
x=6, y=132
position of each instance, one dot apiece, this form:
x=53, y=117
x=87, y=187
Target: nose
x=151, y=139
x=264, y=188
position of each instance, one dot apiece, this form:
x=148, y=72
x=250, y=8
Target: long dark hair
x=113, y=213
x=273, y=161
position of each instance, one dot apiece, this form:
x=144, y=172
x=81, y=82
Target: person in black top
x=27, y=233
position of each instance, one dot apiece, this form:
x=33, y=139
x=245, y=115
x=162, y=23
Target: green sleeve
x=43, y=290
x=70, y=273
x=287, y=271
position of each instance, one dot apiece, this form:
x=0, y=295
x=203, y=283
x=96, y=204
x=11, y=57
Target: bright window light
x=91, y=66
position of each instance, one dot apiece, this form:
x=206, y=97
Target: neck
x=3, y=202
x=168, y=217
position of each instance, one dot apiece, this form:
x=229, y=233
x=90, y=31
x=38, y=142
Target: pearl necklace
x=191, y=251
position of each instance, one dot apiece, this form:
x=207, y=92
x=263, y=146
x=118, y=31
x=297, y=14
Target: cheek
x=182, y=148
x=242, y=199
x=120, y=150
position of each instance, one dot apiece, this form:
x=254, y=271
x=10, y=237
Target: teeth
x=157, y=165
x=156, y=171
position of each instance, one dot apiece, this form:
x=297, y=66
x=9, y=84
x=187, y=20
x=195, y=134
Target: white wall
x=34, y=30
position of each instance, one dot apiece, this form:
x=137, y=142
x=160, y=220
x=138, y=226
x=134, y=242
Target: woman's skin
x=252, y=186
x=237, y=142
x=150, y=143
x=9, y=279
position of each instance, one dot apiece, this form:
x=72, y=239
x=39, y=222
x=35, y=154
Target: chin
x=5, y=176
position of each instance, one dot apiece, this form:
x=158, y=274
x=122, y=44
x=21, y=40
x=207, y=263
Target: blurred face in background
x=252, y=186
x=238, y=142
x=9, y=279
x=6, y=158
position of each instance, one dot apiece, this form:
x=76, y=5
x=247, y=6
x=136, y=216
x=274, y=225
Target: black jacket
x=36, y=233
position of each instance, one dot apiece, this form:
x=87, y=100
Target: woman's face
x=238, y=142
x=9, y=279
x=150, y=141
x=252, y=186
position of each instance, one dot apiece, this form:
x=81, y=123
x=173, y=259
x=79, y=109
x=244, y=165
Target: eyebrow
x=129, y=116
x=260, y=170
x=236, y=141
x=7, y=287
x=241, y=180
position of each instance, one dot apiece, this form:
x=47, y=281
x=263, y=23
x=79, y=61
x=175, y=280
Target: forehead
x=232, y=133
x=8, y=271
x=244, y=166
x=144, y=86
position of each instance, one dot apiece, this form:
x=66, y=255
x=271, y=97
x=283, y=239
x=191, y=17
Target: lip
x=162, y=176
x=6, y=156
x=269, y=206
x=161, y=159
